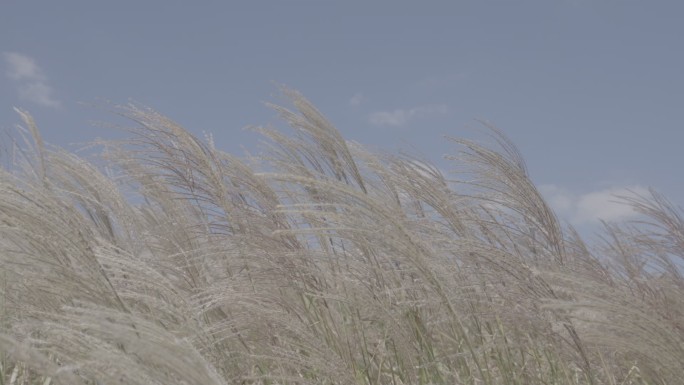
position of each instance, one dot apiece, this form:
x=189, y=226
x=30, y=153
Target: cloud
x=605, y=205
x=29, y=79
x=22, y=67
x=400, y=117
x=591, y=207
x=357, y=99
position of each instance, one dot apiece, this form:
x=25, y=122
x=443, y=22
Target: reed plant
x=169, y=261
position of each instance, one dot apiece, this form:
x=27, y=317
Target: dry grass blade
x=168, y=261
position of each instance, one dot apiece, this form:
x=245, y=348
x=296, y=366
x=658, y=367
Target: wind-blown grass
x=172, y=262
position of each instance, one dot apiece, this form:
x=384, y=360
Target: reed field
x=165, y=260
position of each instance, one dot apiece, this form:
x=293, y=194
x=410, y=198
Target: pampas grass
x=171, y=262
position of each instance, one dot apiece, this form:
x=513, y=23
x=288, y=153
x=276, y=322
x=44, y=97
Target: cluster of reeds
x=171, y=262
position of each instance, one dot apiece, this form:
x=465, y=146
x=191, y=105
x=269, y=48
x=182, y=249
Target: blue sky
x=591, y=91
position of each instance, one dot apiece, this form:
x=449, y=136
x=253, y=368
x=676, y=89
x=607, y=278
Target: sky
x=591, y=91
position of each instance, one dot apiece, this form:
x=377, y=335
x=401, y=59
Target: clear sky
x=591, y=91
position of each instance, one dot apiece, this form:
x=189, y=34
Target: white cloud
x=22, y=67
x=400, y=117
x=605, y=204
x=39, y=93
x=589, y=208
x=29, y=79
x=558, y=198
x=357, y=99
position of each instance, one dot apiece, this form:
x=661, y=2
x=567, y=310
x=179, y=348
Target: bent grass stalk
x=320, y=262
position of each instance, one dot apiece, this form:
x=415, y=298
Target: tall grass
x=171, y=262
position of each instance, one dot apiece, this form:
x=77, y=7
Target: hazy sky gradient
x=591, y=91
